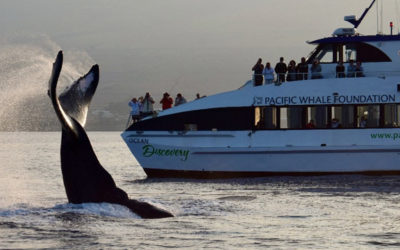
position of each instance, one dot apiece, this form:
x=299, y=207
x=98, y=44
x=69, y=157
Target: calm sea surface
x=336, y=212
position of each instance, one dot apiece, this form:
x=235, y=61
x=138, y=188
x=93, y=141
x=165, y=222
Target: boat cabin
x=378, y=54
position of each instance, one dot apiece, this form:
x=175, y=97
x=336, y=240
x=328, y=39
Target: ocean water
x=331, y=212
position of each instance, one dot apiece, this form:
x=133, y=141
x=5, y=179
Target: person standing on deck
x=268, y=73
x=166, y=101
x=351, y=69
x=258, y=70
x=135, y=109
x=291, y=71
x=316, y=70
x=340, y=70
x=280, y=70
x=302, y=70
x=147, y=104
x=179, y=99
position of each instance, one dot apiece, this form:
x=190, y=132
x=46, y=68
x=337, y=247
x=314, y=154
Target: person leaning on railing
x=340, y=70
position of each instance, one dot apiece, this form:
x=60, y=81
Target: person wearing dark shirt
x=292, y=71
x=351, y=69
x=258, y=70
x=340, y=70
x=302, y=70
x=280, y=70
x=359, y=70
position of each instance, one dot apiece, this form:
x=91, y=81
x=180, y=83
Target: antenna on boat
x=356, y=22
x=379, y=18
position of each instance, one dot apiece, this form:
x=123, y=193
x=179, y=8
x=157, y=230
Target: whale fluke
x=85, y=180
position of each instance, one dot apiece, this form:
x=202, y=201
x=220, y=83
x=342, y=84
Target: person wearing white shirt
x=135, y=109
x=147, y=104
x=268, y=73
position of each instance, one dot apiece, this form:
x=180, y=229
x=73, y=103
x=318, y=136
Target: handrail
x=327, y=75
x=129, y=120
x=140, y=117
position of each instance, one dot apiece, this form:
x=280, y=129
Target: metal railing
x=131, y=121
x=289, y=77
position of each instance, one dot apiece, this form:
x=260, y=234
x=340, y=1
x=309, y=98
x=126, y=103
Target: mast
x=356, y=22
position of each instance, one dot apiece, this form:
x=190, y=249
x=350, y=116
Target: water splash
x=25, y=67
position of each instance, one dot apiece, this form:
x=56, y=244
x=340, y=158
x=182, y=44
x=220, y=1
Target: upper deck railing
x=292, y=77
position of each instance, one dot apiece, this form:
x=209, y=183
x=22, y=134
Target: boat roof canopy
x=348, y=39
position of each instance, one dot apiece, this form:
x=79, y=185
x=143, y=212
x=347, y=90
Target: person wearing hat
x=166, y=101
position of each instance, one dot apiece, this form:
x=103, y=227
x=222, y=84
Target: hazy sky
x=205, y=46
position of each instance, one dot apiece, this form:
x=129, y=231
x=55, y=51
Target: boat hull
x=223, y=154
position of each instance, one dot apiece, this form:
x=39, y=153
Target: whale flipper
x=85, y=179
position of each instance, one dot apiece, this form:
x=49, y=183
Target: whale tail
x=85, y=179
x=74, y=101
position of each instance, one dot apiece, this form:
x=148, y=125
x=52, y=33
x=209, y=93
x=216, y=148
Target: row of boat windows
x=334, y=53
x=320, y=117
x=266, y=118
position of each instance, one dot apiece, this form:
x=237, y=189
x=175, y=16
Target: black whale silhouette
x=85, y=180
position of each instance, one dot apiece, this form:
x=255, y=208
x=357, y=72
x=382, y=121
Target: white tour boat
x=265, y=130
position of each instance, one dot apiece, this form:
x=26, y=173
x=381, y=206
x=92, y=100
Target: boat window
x=296, y=117
x=365, y=53
x=240, y=118
x=326, y=54
x=319, y=115
x=391, y=115
x=368, y=116
x=292, y=117
x=266, y=117
x=344, y=115
x=283, y=118
x=351, y=52
x=333, y=53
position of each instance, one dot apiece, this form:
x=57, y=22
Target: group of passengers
x=352, y=70
x=141, y=107
x=294, y=72
x=285, y=72
x=167, y=101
